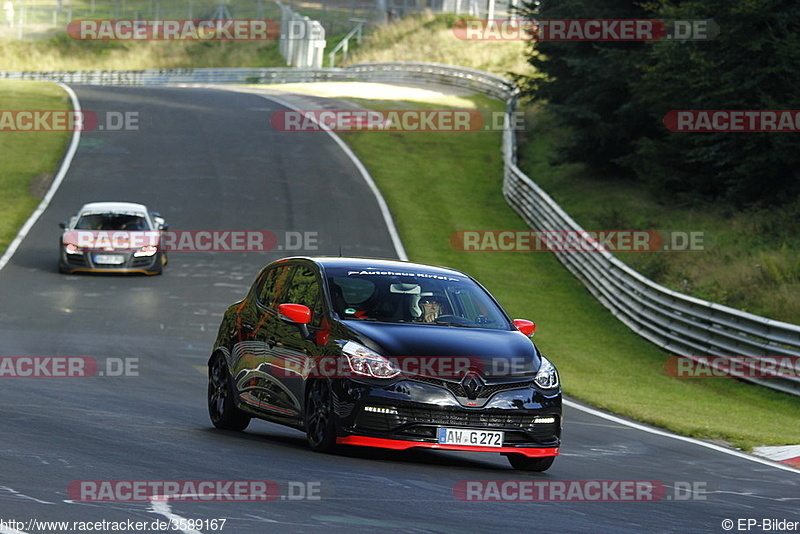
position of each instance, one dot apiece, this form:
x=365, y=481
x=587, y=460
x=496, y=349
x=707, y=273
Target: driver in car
x=431, y=308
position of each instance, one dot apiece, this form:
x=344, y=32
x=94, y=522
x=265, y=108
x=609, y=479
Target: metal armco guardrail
x=476, y=80
x=678, y=323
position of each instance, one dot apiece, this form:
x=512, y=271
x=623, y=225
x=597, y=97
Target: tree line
x=614, y=95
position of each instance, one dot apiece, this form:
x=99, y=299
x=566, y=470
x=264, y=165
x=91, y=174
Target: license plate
x=475, y=438
x=109, y=259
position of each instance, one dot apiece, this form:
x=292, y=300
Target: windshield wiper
x=445, y=323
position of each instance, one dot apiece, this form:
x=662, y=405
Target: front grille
x=457, y=389
x=480, y=419
x=440, y=417
x=109, y=266
x=423, y=422
x=76, y=259
x=144, y=261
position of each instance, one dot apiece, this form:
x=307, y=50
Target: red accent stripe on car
x=399, y=444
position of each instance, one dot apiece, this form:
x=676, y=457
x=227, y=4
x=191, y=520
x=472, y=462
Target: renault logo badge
x=472, y=384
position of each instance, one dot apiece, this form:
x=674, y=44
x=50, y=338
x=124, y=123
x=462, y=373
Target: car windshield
x=111, y=221
x=413, y=297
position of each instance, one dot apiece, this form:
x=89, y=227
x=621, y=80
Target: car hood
x=495, y=353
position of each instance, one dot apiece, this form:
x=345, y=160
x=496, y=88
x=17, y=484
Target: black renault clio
x=386, y=354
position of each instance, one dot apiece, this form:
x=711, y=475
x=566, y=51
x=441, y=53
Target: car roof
x=113, y=207
x=376, y=264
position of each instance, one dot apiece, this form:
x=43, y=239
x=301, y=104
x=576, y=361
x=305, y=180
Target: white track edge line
x=663, y=433
x=62, y=172
x=159, y=504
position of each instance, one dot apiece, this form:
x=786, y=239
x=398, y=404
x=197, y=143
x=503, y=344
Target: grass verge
x=30, y=159
x=60, y=52
x=428, y=37
x=437, y=183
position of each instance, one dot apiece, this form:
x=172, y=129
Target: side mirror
x=295, y=313
x=526, y=327
x=62, y=225
x=298, y=314
x=159, y=220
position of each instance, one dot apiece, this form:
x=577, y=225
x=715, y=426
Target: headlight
x=366, y=362
x=547, y=377
x=145, y=251
x=72, y=249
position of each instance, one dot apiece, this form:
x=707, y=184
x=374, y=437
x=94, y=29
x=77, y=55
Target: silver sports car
x=113, y=237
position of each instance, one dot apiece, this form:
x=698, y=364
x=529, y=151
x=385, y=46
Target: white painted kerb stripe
x=159, y=504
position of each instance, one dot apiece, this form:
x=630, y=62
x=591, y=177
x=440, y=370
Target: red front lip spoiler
x=399, y=444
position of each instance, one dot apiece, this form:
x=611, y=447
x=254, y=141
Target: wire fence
x=27, y=19
x=30, y=19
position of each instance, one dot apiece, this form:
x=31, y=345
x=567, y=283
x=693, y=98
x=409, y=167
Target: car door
x=297, y=348
x=252, y=355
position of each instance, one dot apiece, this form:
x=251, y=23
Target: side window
x=462, y=303
x=272, y=284
x=304, y=289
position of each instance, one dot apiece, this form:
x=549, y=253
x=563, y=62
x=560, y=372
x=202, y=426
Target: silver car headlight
x=145, y=251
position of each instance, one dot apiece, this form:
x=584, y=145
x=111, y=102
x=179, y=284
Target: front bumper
x=124, y=262
x=408, y=413
x=399, y=444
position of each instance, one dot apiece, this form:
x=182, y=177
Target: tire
x=526, y=463
x=319, y=417
x=221, y=407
